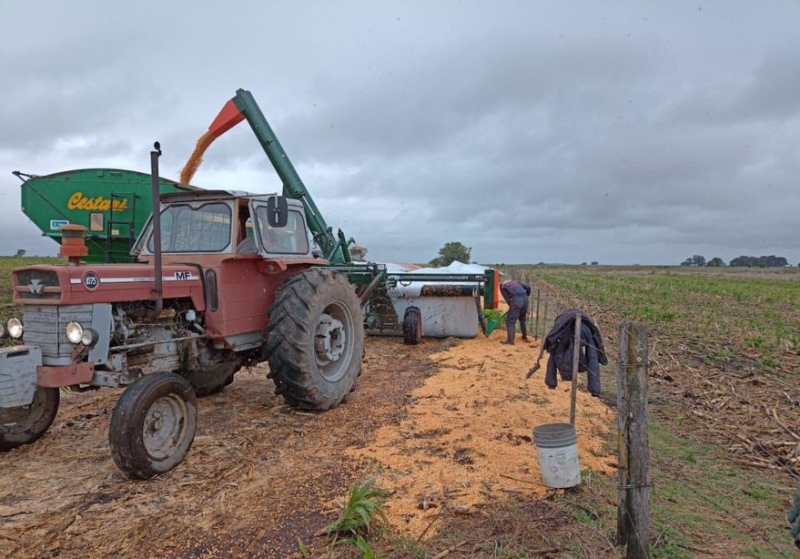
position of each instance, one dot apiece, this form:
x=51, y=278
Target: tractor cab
x=225, y=224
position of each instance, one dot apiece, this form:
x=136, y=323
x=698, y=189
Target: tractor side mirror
x=277, y=211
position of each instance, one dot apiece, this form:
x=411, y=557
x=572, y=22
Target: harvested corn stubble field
x=724, y=396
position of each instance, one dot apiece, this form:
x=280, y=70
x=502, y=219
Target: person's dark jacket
x=559, y=342
x=516, y=295
x=515, y=292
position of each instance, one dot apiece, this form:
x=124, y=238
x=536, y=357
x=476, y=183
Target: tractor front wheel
x=315, y=339
x=153, y=425
x=26, y=424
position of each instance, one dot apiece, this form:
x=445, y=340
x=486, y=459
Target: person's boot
x=510, y=340
x=524, y=329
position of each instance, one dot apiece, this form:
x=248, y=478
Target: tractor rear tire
x=26, y=424
x=315, y=339
x=412, y=326
x=153, y=425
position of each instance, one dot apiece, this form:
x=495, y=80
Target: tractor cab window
x=291, y=239
x=194, y=228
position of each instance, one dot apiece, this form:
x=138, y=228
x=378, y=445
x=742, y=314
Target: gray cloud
x=529, y=131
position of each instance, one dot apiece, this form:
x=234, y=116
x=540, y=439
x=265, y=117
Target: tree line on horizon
x=770, y=261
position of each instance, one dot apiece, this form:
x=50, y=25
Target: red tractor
x=226, y=279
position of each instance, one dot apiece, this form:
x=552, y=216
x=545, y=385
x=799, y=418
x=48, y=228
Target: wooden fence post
x=633, y=509
x=536, y=329
x=576, y=354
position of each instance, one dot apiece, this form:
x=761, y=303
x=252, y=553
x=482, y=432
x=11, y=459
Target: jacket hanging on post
x=559, y=342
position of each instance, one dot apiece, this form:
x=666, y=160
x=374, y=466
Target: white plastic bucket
x=557, y=453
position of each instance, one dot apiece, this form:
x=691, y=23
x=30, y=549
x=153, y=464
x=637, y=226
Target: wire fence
x=543, y=309
x=545, y=305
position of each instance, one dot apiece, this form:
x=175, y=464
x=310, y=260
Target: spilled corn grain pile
x=466, y=439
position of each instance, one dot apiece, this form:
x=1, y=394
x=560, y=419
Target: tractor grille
x=34, y=284
x=45, y=326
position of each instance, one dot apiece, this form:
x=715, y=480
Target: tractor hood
x=104, y=283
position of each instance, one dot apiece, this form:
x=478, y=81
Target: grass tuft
x=363, y=511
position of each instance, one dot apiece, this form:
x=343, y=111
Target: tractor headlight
x=14, y=326
x=90, y=337
x=74, y=332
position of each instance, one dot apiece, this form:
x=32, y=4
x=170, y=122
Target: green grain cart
x=112, y=204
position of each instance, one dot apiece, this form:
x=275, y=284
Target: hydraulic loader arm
x=244, y=107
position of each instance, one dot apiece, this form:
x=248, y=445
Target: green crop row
x=731, y=318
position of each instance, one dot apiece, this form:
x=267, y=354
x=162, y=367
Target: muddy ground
x=446, y=427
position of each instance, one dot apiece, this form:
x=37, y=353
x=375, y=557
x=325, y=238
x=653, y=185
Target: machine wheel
x=315, y=339
x=26, y=424
x=412, y=326
x=153, y=425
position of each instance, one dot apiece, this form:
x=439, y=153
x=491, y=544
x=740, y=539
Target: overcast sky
x=621, y=132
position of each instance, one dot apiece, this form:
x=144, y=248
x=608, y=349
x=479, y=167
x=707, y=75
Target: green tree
x=743, y=261
x=771, y=261
x=696, y=260
x=716, y=262
x=451, y=252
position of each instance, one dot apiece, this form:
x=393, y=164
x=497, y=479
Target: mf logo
x=91, y=281
x=183, y=275
x=36, y=287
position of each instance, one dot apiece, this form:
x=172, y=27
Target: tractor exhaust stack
x=156, y=192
